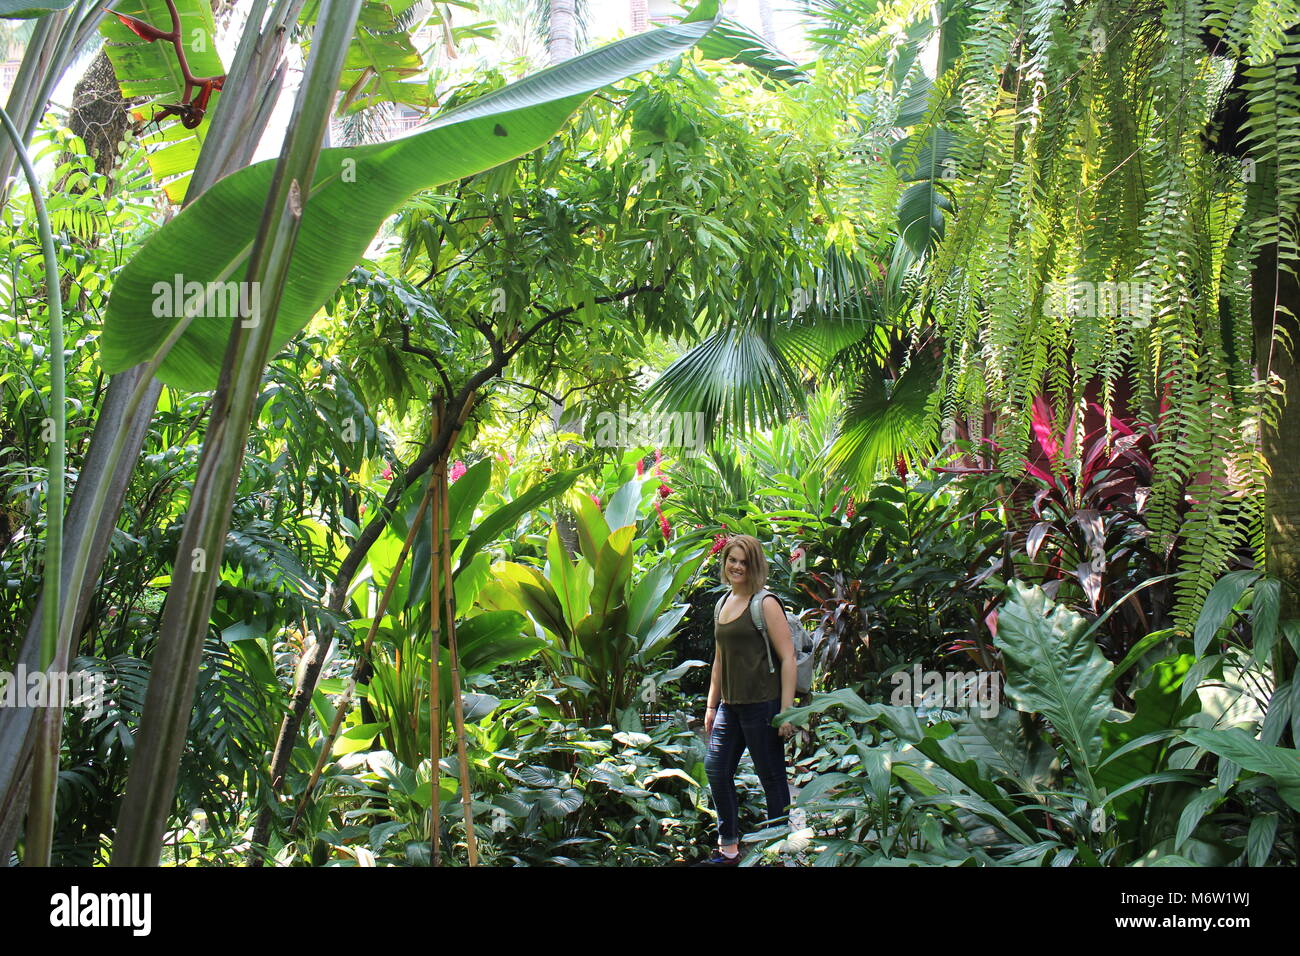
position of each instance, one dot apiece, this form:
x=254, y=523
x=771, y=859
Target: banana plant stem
x=40, y=832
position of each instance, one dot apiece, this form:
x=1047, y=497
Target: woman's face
x=737, y=567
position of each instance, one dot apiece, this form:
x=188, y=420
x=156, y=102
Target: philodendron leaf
x=194, y=264
x=1054, y=668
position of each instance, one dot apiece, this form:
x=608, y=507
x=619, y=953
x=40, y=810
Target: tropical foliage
x=376, y=489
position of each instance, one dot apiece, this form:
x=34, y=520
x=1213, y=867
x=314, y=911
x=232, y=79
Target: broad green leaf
x=1259, y=841
x=1280, y=763
x=648, y=597
x=1195, y=809
x=660, y=634
x=622, y=507
x=468, y=584
x=612, y=571
x=354, y=190
x=1223, y=597
x=357, y=738
x=592, y=528
x=464, y=495
x=509, y=514
x=1129, y=749
x=1264, y=614
x=525, y=589
x=1053, y=669
x=488, y=640
x=1009, y=745
x=731, y=40
x=560, y=803
x=572, y=582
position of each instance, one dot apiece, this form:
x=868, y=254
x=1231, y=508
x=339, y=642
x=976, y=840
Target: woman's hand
x=709, y=716
x=786, y=731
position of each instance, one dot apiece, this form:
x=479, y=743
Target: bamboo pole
x=458, y=705
x=350, y=687
x=435, y=652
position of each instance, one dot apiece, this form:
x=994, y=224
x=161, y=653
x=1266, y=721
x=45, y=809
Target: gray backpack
x=803, y=642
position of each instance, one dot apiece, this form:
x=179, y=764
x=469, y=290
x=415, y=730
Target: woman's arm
x=715, y=692
x=778, y=633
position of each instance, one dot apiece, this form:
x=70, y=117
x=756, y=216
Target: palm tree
x=562, y=40
x=765, y=18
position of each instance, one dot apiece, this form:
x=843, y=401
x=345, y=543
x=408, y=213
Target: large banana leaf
x=354, y=190
x=151, y=69
x=1055, y=669
x=735, y=41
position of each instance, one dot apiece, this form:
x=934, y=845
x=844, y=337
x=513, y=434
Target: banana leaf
x=353, y=191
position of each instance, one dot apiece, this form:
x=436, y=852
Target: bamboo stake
x=467, y=799
x=435, y=680
x=350, y=687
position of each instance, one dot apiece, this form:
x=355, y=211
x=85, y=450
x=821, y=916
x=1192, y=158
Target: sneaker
x=721, y=859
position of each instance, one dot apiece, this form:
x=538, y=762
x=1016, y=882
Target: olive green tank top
x=742, y=657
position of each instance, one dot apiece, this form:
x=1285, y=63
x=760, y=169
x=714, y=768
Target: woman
x=746, y=692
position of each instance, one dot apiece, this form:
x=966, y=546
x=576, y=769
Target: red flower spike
x=144, y=31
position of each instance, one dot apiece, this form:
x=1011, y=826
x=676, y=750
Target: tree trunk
x=562, y=35
x=765, y=18
x=1276, y=298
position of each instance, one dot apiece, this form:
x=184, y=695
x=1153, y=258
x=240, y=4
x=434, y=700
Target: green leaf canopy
x=189, y=264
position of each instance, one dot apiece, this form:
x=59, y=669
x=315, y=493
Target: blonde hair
x=755, y=561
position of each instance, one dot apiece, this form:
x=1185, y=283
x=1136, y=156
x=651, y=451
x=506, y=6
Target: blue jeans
x=735, y=728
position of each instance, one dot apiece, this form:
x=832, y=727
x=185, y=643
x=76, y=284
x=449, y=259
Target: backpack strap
x=756, y=615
